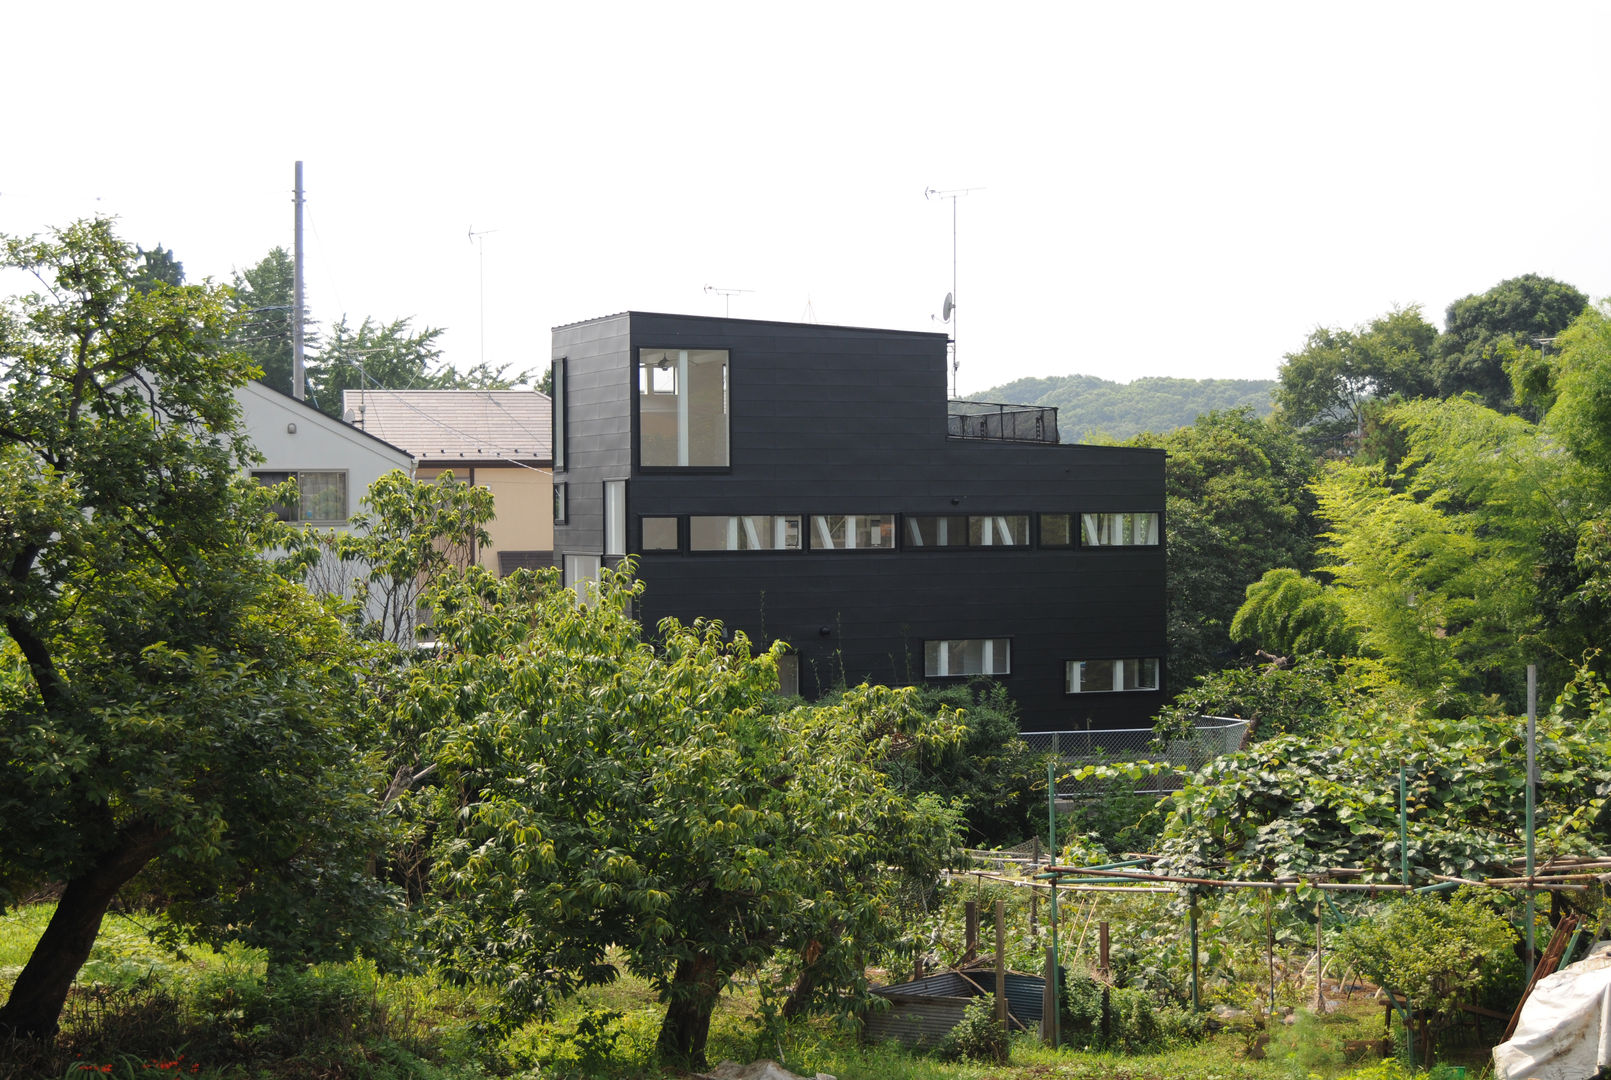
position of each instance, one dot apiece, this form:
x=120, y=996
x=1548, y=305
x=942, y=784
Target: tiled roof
x=456, y=425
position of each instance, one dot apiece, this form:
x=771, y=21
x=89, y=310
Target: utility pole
x=298, y=387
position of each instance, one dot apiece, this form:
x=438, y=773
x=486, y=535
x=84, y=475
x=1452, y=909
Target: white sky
x=1177, y=189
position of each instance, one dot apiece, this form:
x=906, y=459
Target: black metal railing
x=1009, y=423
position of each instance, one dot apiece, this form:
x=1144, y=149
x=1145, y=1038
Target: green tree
x=158, y=266
x=395, y=357
x=596, y=789
x=1449, y=562
x=169, y=705
x=1326, y=386
x=1238, y=503
x=1481, y=332
x=407, y=534
x=263, y=302
x=990, y=773
x=1287, y=613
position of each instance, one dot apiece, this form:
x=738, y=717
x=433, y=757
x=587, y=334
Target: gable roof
x=440, y=426
x=277, y=397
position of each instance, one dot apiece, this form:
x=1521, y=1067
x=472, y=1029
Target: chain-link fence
x=1213, y=736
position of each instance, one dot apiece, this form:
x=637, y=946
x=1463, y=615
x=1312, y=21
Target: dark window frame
x=633, y=389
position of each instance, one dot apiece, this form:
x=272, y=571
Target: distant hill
x=1093, y=409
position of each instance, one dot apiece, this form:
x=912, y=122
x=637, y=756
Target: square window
x=683, y=408
x=659, y=533
x=1056, y=530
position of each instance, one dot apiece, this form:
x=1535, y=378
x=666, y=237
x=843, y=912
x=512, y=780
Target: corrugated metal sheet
x=917, y=1021
x=923, y=1012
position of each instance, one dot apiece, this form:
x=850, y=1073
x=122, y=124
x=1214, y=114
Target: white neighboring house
x=333, y=463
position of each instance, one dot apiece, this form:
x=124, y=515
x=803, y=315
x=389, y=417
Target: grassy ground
x=140, y=1010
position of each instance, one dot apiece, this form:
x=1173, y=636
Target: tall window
x=1109, y=676
x=967, y=530
x=561, y=505
x=615, y=517
x=582, y=576
x=967, y=656
x=559, y=429
x=748, y=532
x=853, y=532
x=1119, y=530
x=682, y=408
x=321, y=495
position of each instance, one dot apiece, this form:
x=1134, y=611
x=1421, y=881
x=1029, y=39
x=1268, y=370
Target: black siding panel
x=841, y=420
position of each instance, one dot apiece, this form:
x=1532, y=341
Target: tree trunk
x=694, y=987
x=35, y=1006
x=799, y=999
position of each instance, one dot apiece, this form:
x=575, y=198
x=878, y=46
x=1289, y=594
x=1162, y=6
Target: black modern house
x=814, y=484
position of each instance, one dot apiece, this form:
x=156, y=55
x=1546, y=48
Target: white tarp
x=1565, y=1027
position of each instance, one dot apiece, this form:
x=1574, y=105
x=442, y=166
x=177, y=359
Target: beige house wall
x=523, y=499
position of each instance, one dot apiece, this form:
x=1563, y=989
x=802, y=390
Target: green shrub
x=1307, y=1048
x=1439, y=953
x=979, y=1037
x=1100, y=1017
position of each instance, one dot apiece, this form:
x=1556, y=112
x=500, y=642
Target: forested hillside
x=1092, y=409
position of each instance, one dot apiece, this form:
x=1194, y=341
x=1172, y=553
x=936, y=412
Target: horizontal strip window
x=1119, y=530
x=747, y=532
x=967, y=656
x=967, y=530
x=1111, y=676
x=853, y=532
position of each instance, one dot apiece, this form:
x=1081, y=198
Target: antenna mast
x=950, y=301
x=727, y=296
x=477, y=238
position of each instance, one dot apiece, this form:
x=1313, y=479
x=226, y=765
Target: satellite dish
x=948, y=307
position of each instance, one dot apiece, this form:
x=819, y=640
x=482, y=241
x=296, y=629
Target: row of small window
x=993, y=656
x=878, y=532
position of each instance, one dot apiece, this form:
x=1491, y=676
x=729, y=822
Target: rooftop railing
x=1007, y=423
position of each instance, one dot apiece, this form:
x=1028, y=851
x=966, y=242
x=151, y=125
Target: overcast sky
x=1181, y=189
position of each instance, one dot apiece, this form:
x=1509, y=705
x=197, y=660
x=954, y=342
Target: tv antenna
x=727, y=296
x=950, y=306
x=479, y=240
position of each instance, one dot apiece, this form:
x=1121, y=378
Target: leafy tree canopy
x=169, y=705
x=1482, y=331
x=1326, y=385
x=598, y=789
x=158, y=266
x=1458, y=565
x=1238, y=503
x=263, y=303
